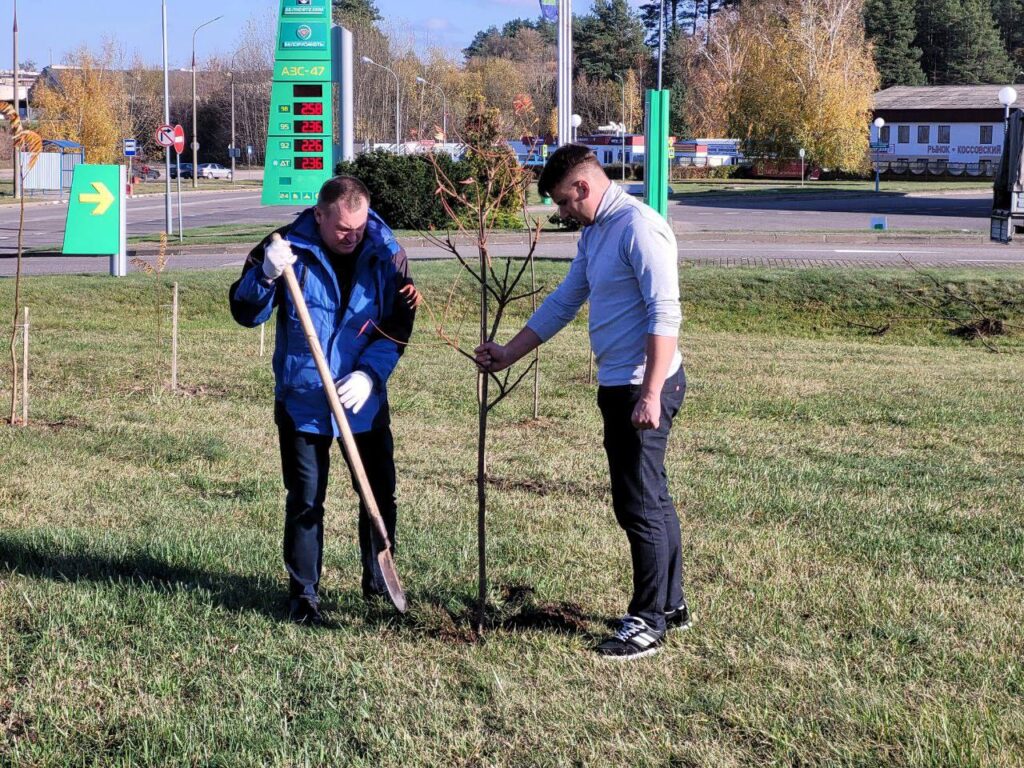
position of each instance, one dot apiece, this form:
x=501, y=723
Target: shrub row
x=403, y=189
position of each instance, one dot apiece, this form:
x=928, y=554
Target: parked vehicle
x=213, y=171
x=146, y=172
x=186, y=171
x=1008, y=191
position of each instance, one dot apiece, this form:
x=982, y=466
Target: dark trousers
x=305, y=464
x=643, y=506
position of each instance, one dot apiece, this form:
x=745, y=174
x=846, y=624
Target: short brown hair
x=348, y=189
x=564, y=161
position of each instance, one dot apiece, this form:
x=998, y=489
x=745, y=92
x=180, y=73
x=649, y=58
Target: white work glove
x=354, y=390
x=276, y=256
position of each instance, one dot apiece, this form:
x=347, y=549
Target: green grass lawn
x=851, y=507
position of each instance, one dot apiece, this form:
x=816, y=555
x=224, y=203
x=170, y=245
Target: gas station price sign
x=301, y=131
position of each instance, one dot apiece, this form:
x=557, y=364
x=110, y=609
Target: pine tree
x=355, y=13
x=1009, y=16
x=890, y=25
x=936, y=20
x=977, y=54
x=608, y=40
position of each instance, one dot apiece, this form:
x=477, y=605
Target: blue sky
x=52, y=28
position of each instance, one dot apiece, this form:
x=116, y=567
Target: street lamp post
x=398, y=129
x=622, y=133
x=879, y=122
x=661, y=39
x=234, y=149
x=18, y=191
x=195, y=142
x=1007, y=97
x=575, y=121
x=444, y=107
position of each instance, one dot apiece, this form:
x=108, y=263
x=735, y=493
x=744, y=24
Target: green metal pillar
x=656, y=150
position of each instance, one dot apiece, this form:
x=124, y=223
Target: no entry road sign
x=179, y=139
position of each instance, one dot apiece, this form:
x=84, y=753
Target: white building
x=934, y=127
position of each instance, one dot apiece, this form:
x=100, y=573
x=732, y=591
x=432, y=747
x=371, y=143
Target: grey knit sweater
x=626, y=264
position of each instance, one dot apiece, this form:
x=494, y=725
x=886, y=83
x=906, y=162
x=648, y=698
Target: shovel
x=384, y=559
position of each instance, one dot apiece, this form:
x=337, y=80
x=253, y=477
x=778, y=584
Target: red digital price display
x=309, y=126
x=308, y=91
x=306, y=108
x=309, y=163
x=309, y=145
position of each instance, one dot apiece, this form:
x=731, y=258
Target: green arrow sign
x=96, y=211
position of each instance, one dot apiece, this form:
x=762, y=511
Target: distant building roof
x=61, y=144
x=953, y=103
x=939, y=97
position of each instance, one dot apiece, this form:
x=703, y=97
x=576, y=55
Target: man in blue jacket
x=355, y=280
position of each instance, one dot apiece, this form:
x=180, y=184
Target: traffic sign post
x=178, y=142
x=96, y=221
x=130, y=150
x=165, y=135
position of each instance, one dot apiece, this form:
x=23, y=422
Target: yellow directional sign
x=102, y=198
x=96, y=214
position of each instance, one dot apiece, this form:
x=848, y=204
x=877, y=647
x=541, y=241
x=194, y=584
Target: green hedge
x=403, y=189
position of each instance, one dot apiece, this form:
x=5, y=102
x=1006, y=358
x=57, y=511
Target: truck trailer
x=1008, y=191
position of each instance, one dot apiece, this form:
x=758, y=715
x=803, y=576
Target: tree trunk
x=481, y=451
x=17, y=304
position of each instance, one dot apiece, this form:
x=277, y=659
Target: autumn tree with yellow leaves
x=788, y=74
x=87, y=101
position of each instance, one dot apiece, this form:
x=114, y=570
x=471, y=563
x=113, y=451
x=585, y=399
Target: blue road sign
x=130, y=147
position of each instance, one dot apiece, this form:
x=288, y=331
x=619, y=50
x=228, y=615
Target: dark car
x=186, y=171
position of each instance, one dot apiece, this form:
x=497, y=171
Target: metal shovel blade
x=391, y=580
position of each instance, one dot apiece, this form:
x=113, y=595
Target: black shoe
x=304, y=611
x=633, y=640
x=680, y=618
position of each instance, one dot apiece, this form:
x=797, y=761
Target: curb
x=966, y=238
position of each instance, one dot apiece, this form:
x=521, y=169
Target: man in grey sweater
x=626, y=264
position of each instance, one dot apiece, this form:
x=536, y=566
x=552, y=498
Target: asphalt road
x=798, y=255
x=756, y=213
x=735, y=217
x=44, y=223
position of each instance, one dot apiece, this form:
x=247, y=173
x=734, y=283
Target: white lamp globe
x=1007, y=96
x=575, y=121
x=879, y=122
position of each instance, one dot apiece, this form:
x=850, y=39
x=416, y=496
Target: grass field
x=852, y=525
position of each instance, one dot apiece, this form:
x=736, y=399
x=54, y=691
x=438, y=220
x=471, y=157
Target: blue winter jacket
x=368, y=334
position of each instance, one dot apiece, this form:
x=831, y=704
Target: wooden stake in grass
x=536, y=351
x=174, y=339
x=24, y=371
x=263, y=336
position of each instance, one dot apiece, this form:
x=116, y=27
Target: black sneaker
x=304, y=611
x=632, y=640
x=680, y=618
